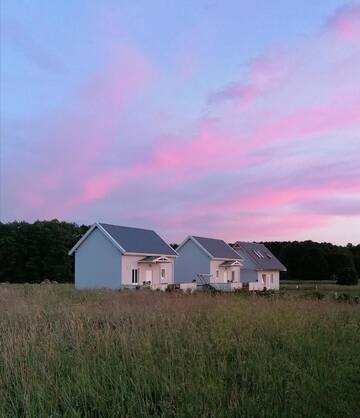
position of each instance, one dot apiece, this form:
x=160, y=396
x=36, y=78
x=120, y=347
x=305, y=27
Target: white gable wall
x=275, y=285
x=97, y=263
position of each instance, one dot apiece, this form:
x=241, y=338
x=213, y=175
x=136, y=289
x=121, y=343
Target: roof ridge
x=126, y=226
x=215, y=239
x=227, y=251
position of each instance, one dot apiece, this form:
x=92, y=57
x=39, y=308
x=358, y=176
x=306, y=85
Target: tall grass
x=66, y=353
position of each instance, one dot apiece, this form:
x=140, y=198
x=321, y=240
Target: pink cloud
x=343, y=112
x=282, y=196
x=185, y=159
x=345, y=23
x=78, y=139
x=226, y=174
x=220, y=150
x=245, y=225
x=269, y=213
x=264, y=73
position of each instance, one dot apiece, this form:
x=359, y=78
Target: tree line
x=309, y=260
x=33, y=252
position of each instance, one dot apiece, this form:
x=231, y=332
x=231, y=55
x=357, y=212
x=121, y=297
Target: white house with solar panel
x=112, y=256
x=208, y=262
x=213, y=263
x=260, y=268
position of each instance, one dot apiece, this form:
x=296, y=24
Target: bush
x=348, y=276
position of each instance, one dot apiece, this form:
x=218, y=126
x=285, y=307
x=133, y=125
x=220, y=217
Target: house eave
x=226, y=259
x=151, y=255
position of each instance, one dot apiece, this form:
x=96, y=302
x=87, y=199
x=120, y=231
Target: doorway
x=149, y=276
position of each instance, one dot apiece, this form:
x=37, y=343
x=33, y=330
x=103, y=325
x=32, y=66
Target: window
x=258, y=253
x=134, y=276
x=264, y=279
x=272, y=278
x=233, y=276
x=217, y=274
x=163, y=274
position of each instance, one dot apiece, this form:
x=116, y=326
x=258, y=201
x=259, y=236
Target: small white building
x=261, y=269
x=208, y=261
x=112, y=256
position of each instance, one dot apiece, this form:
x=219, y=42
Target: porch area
x=155, y=272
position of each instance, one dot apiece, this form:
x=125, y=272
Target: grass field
x=66, y=353
x=327, y=288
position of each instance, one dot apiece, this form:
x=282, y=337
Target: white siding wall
x=97, y=263
x=169, y=272
x=276, y=283
x=214, y=266
x=130, y=262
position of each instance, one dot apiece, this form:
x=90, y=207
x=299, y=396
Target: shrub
x=348, y=276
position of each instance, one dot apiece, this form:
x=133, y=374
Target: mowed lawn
x=68, y=353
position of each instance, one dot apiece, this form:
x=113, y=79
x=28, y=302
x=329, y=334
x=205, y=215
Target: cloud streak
x=272, y=154
x=345, y=22
x=13, y=33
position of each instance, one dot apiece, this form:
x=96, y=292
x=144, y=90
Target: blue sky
x=188, y=117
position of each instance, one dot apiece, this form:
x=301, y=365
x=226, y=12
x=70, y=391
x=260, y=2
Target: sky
x=234, y=119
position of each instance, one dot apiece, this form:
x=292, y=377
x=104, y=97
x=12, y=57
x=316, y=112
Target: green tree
x=348, y=276
x=34, y=252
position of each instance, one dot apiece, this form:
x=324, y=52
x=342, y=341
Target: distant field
x=327, y=287
x=68, y=353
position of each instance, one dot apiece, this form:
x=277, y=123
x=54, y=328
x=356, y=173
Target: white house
x=208, y=261
x=113, y=256
x=261, y=269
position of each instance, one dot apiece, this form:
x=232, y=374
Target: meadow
x=68, y=353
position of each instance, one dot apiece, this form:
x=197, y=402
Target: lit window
x=134, y=276
x=163, y=274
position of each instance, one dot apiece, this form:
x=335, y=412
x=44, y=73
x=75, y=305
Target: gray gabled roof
x=130, y=240
x=217, y=248
x=140, y=241
x=259, y=255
